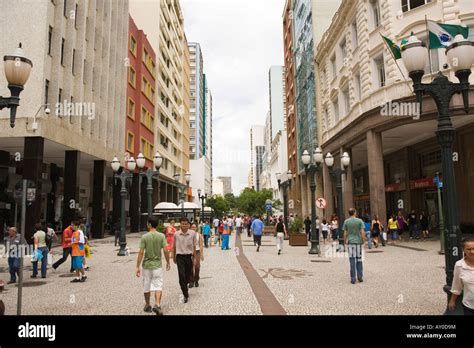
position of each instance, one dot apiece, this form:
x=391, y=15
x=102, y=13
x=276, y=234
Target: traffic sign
x=321, y=203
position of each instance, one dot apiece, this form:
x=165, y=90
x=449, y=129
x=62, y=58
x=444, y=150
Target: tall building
x=276, y=83
x=257, y=149
x=84, y=84
x=218, y=187
x=227, y=181
x=163, y=22
x=393, y=159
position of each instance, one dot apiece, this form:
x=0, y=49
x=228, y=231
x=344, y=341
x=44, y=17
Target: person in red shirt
x=67, y=248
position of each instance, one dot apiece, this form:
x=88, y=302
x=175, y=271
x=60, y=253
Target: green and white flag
x=442, y=35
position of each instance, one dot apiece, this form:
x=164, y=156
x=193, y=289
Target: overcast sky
x=240, y=40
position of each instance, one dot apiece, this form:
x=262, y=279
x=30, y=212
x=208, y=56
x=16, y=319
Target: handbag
x=50, y=259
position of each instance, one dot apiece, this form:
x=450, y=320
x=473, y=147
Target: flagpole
x=429, y=47
x=398, y=66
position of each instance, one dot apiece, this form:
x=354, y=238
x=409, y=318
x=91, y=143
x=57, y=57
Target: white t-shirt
x=463, y=281
x=216, y=222
x=325, y=227
x=238, y=222
x=334, y=224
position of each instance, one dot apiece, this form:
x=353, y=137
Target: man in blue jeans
x=14, y=253
x=257, y=230
x=354, y=237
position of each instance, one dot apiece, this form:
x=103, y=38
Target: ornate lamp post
x=182, y=188
x=123, y=177
x=311, y=169
x=460, y=56
x=149, y=175
x=337, y=174
x=17, y=71
x=202, y=198
x=284, y=182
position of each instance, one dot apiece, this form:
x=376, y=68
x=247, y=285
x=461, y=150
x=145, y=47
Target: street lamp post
x=311, y=169
x=285, y=184
x=337, y=174
x=123, y=177
x=202, y=198
x=17, y=71
x=149, y=175
x=460, y=56
x=182, y=188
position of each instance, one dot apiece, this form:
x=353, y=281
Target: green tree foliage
x=219, y=204
x=252, y=202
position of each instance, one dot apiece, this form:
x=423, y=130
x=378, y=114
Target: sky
x=240, y=40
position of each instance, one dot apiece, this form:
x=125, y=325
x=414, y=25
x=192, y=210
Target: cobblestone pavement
x=397, y=280
x=113, y=288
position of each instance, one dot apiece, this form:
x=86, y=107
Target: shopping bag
x=50, y=259
x=87, y=250
x=36, y=256
x=384, y=236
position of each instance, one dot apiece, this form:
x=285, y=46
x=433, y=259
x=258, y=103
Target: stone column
x=98, y=200
x=32, y=170
x=376, y=175
x=71, y=186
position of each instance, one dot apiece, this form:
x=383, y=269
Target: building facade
x=227, y=182
x=393, y=158
x=78, y=50
x=257, y=140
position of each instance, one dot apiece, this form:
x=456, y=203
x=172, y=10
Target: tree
x=219, y=205
x=252, y=202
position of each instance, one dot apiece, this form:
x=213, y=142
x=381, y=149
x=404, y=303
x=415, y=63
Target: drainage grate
x=32, y=284
x=321, y=261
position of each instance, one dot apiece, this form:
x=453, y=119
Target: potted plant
x=297, y=235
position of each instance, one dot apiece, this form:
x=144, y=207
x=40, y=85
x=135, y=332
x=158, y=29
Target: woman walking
x=334, y=228
x=280, y=234
x=393, y=227
x=325, y=230
x=376, y=230
x=169, y=233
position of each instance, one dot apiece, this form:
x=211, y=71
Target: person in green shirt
x=151, y=246
x=354, y=236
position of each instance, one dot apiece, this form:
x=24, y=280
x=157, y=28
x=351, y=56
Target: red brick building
x=140, y=125
x=295, y=191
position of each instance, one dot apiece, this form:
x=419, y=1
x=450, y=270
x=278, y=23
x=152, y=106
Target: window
x=132, y=77
x=130, y=141
x=335, y=106
x=355, y=35
x=147, y=119
x=343, y=48
x=357, y=87
x=131, y=108
x=60, y=95
x=379, y=64
x=150, y=64
x=375, y=12
x=46, y=91
x=50, y=39
x=408, y=5
x=347, y=102
x=148, y=90
x=333, y=66
x=133, y=45
x=62, y=51
x=147, y=149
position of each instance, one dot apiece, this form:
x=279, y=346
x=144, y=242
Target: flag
x=442, y=35
x=393, y=48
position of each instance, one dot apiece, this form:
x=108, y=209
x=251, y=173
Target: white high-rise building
x=257, y=149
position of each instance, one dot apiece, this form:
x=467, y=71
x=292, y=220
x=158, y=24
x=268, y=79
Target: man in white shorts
x=151, y=246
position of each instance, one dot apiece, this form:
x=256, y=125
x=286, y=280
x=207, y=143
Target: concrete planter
x=299, y=239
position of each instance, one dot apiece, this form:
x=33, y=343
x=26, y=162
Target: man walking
x=238, y=224
x=66, y=245
x=151, y=245
x=226, y=235
x=354, y=236
x=216, y=225
x=206, y=232
x=184, y=251
x=257, y=230
x=13, y=245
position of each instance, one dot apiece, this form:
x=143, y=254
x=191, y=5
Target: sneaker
x=147, y=309
x=87, y=268
x=75, y=280
x=12, y=282
x=83, y=279
x=191, y=285
x=258, y=249
x=157, y=310
x=279, y=252
x=33, y=276
x=196, y=284
x=353, y=281
x=360, y=280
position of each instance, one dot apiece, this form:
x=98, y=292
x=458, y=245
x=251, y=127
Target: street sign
x=321, y=203
x=268, y=204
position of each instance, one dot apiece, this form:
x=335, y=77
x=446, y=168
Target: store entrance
x=431, y=208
